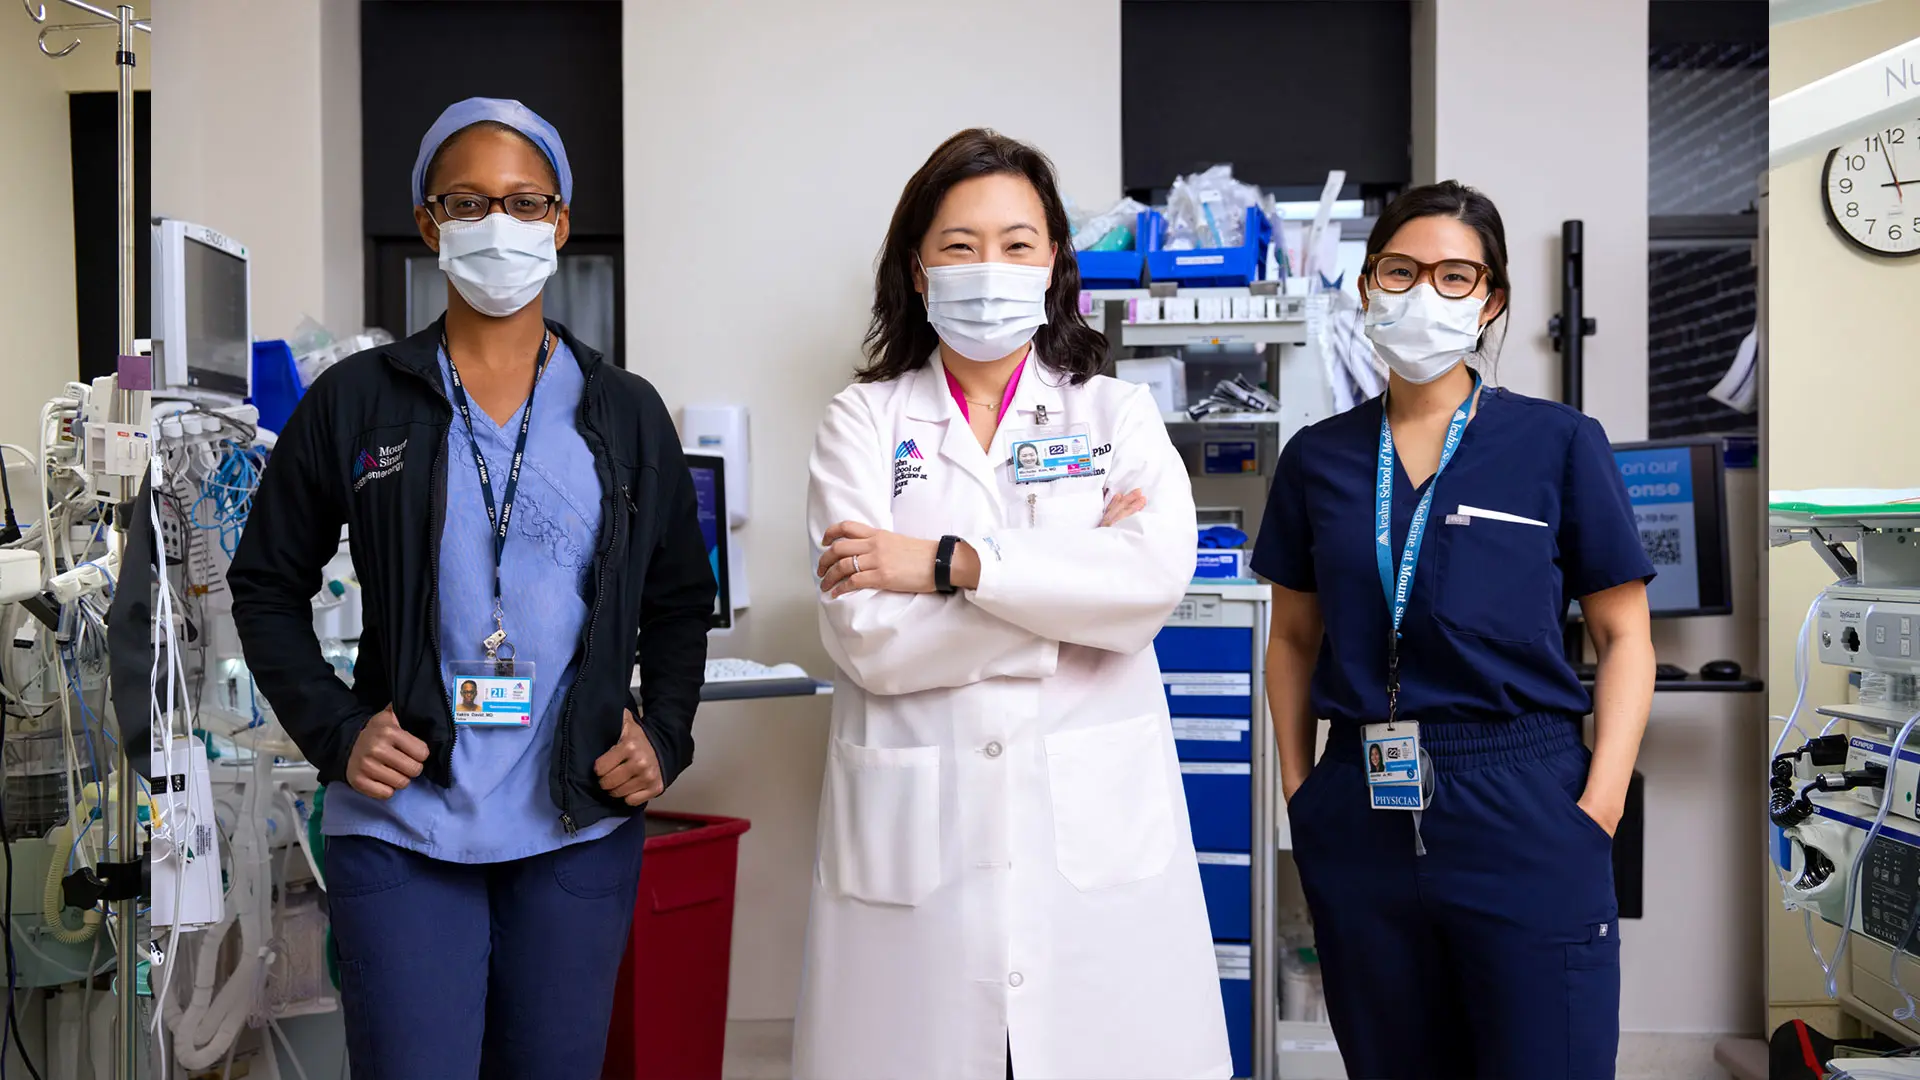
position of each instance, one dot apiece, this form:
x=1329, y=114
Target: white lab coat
x=1004, y=852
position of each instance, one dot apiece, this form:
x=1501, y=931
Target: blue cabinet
x=1209, y=667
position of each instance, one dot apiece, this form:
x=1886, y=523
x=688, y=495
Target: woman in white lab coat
x=1006, y=883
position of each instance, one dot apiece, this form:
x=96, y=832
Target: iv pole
x=126, y=405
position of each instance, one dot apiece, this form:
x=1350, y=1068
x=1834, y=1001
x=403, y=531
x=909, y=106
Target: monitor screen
x=219, y=353
x=1678, y=493
x=710, y=492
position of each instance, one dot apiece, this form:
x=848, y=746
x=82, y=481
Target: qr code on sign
x=1663, y=546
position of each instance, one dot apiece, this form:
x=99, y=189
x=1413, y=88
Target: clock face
x=1872, y=190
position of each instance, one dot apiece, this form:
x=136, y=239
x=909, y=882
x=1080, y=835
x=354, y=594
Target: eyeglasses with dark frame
x=1455, y=279
x=473, y=206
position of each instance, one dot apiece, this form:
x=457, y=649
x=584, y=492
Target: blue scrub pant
x=1496, y=954
x=501, y=970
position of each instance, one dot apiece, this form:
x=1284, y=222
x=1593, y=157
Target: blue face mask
x=987, y=311
x=499, y=263
x=1419, y=333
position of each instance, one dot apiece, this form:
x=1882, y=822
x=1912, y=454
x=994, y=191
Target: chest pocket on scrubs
x=1063, y=504
x=882, y=823
x=1113, y=817
x=1495, y=579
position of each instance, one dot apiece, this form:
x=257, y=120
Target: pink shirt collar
x=1006, y=399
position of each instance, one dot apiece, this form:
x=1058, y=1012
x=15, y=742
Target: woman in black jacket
x=522, y=522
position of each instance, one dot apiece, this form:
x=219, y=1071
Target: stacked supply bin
x=1210, y=653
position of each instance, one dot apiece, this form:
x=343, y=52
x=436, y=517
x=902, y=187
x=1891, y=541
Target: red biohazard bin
x=670, y=1005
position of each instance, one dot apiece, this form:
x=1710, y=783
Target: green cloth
x=317, y=844
x=1846, y=502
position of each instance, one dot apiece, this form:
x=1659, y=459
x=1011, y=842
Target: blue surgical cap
x=465, y=114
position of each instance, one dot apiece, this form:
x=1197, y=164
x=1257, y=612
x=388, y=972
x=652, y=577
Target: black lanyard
x=501, y=519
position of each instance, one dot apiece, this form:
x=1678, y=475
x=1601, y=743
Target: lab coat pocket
x=1079, y=506
x=1496, y=579
x=883, y=823
x=1113, y=819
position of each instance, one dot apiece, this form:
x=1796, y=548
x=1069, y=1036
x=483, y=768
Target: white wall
x=36, y=284
x=42, y=349
x=766, y=145
x=1842, y=331
x=1542, y=104
x=257, y=134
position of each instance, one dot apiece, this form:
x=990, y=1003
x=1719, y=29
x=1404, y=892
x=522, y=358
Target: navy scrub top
x=1481, y=639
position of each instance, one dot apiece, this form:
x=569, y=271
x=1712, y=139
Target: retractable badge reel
x=1397, y=773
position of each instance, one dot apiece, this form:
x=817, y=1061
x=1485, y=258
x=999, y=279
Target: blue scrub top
x=1481, y=640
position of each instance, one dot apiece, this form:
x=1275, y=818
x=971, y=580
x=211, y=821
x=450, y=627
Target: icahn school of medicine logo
x=904, y=469
x=372, y=465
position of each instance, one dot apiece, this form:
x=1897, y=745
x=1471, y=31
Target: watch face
x=1871, y=187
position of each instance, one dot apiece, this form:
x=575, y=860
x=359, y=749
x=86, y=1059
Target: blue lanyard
x=1399, y=589
x=504, y=516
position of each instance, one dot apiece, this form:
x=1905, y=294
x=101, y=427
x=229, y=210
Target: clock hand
x=1891, y=171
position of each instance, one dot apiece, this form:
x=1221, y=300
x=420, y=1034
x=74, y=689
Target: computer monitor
x=1679, y=494
x=710, y=492
x=203, y=322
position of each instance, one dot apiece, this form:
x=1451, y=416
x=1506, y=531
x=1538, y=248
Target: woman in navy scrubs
x=1467, y=928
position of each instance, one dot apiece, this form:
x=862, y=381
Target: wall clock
x=1871, y=190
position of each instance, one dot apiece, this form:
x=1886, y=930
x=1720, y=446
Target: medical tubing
x=54, y=904
x=1860, y=858
x=208, y=1024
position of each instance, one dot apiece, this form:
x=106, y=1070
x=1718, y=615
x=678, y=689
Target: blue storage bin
x=1115, y=269
x=1204, y=648
x=1211, y=267
x=1236, y=995
x=1227, y=880
x=1219, y=804
x=1200, y=693
x=1213, y=738
x=276, y=384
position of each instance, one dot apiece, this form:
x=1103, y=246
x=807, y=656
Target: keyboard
x=728, y=669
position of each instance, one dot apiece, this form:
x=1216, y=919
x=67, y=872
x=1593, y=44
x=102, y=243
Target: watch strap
x=943, y=566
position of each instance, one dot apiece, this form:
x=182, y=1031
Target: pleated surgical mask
x=986, y=311
x=1419, y=333
x=499, y=263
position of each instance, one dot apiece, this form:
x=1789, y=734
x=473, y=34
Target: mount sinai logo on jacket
x=376, y=464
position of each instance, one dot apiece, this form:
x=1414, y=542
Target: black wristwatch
x=943, y=566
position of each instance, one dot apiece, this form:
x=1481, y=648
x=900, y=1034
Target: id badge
x=492, y=693
x=1395, y=778
x=1042, y=454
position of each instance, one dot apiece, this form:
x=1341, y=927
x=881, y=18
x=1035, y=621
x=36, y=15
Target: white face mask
x=1421, y=334
x=498, y=263
x=986, y=311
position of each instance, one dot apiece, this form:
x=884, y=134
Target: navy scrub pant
x=1496, y=954
x=503, y=971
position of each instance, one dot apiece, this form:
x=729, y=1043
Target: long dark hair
x=899, y=339
x=1451, y=198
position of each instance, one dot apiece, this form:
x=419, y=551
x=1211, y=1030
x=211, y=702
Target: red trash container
x=670, y=1005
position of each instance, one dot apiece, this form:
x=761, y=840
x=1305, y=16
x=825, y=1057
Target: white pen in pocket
x=1466, y=514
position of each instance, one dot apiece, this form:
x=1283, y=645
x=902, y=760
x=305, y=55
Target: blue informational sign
x=1660, y=487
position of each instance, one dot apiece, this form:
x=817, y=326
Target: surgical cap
x=465, y=114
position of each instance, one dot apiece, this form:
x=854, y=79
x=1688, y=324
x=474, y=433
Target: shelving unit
x=1212, y=656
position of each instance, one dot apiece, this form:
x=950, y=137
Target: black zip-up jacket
x=367, y=447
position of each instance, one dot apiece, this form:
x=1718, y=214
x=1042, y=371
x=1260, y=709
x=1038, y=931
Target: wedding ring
x=856, y=564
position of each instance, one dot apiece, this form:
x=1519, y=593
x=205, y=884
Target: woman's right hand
x=1123, y=507
x=385, y=757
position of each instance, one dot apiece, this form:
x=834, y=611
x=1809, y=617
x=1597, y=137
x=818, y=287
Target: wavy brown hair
x=900, y=339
